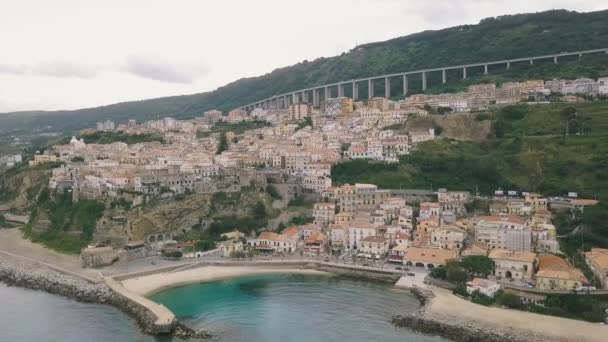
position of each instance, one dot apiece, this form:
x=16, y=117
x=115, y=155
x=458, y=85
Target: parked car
x=411, y=274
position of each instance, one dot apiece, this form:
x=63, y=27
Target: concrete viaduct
x=337, y=89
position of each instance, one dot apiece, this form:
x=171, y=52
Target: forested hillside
x=491, y=39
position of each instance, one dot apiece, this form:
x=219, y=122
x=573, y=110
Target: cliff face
x=20, y=187
x=464, y=127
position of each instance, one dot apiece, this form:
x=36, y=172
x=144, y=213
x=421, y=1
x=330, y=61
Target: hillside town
x=351, y=223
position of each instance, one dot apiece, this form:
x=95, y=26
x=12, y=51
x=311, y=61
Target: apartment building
x=324, y=213
x=503, y=232
x=352, y=198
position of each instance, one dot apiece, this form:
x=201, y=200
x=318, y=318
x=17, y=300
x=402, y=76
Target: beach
x=446, y=307
x=150, y=284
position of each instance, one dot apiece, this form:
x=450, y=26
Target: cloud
x=162, y=71
x=64, y=69
x=12, y=69
x=56, y=69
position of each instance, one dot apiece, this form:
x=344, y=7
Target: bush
x=461, y=290
x=510, y=300
x=480, y=298
x=478, y=265
x=514, y=113
x=174, y=254
x=273, y=192
x=482, y=117
x=456, y=275
x=439, y=273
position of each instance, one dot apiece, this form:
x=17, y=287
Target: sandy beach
x=451, y=308
x=12, y=241
x=150, y=284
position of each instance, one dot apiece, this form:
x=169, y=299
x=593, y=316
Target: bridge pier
x=387, y=88
x=283, y=101
x=423, y=81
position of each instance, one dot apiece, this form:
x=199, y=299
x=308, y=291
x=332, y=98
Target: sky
x=69, y=54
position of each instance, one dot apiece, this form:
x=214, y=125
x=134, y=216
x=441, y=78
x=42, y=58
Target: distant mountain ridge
x=497, y=38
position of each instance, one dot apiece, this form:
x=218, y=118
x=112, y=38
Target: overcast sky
x=67, y=54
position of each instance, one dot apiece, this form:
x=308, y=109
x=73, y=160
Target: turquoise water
x=293, y=308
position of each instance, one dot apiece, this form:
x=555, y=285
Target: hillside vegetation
x=530, y=152
x=491, y=39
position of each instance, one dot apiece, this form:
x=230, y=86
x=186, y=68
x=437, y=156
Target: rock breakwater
x=454, y=329
x=22, y=273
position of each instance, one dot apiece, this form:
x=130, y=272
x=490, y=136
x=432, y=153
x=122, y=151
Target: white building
x=484, y=286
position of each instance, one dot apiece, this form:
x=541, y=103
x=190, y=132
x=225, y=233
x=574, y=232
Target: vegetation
x=306, y=123
x=273, y=192
x=492, y=39
x=301, y=201
x=223, y=145
x=541, y=159
x=112, y=137
x=574, y=306
x=172, y=254
x=236, y=128
x=72, y=224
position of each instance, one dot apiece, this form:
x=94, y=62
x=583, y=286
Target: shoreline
x=449, y=316
x=150, y=285
x=440, y=314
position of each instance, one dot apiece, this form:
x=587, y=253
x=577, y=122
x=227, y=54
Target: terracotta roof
x=599, y=257
x=583, y=202
x=291, y=232
x=479, y=282
x=316, y=237
x=378, y=239
x=547, y=261
x=512, y=255
x=430, y=255
x=563, y=274
x=400, y=248
x=503, y=218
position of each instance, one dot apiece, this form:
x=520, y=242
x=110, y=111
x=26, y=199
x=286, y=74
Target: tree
x=510, y=300
x=273, y=192
x=223, y=146
x=259, y=210
x=439, y=273
x=478, y=265
x=456, y=275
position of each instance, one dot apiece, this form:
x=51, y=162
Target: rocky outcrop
x=455, y=332
x=17, y=272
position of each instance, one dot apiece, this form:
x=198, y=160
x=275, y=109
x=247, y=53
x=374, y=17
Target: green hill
x=491, y=39
x=530, y=152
